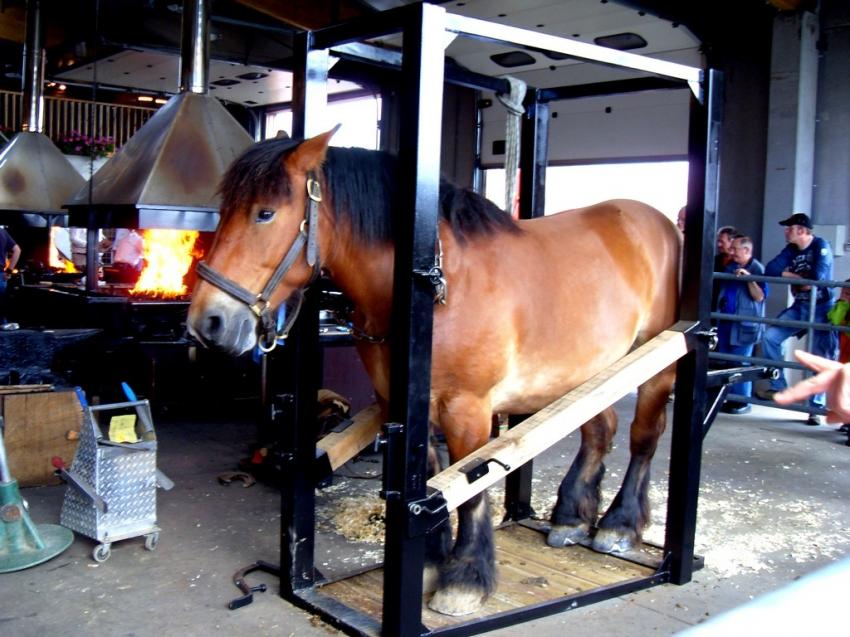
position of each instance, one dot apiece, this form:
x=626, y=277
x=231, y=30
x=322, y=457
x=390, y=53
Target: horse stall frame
x=410, y=505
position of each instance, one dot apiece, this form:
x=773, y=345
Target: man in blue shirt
x=805, y=257
x=10, y=252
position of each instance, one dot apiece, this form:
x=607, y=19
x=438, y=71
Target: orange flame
x=56, y=260
x=168, y=257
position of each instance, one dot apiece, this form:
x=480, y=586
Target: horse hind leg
x=622, y=526
x=577, y=505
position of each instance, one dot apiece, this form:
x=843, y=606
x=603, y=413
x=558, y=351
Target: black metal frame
x=406, y=435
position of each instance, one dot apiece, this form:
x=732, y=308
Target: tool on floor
x=113, y=484
x=22, y=543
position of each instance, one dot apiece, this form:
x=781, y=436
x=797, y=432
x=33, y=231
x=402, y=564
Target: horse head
x=266, y=248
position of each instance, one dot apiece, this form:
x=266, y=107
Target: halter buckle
x=257, y=309
x=314, y=189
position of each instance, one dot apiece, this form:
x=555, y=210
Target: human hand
x=833, y=378
x=741, y=272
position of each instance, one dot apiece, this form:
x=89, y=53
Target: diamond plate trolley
x=112, y=485
x=414, y=504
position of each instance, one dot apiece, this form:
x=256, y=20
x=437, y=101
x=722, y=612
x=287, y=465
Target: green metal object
x=22, y=543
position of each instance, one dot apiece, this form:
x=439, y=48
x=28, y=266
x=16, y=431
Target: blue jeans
x=725, y=347
x=825, y=342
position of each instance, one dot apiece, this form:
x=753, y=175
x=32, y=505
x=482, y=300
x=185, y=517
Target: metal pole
x=194, y=47
x=33, y=71
x=413, y=305
x=691, y=395
x=302, y=353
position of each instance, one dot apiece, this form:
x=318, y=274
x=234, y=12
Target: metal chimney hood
x=35, y=177
x=167, y=174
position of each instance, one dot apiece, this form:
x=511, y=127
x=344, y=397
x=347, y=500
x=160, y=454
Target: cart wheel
x=101, y=552
x=151, y=541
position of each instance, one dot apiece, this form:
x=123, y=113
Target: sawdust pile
x=359, y=518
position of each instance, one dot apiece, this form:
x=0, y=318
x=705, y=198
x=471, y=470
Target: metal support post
x=691, y=395
x=302, y=353
x=413, y=306
x=534, y=155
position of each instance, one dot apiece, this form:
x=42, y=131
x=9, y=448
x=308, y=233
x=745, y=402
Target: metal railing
x=92, y=119
x=809, y=327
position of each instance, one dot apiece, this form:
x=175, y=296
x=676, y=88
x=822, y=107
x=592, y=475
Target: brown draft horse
x=534, y=308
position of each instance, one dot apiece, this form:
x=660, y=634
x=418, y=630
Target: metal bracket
x=387, y=440
x=435, y=278
x=426, y=514
x=479, y=467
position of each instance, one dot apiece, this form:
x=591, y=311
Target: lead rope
x=513, y=103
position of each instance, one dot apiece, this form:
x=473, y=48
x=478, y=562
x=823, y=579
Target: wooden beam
x=309, y=14
x=568, y=413
x=342, y=446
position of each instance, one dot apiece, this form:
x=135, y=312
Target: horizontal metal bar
x=388, y=58
x=757, y=360
x=782, y=280
x=544, y=609
x=536, y=41
x=803, y=325
x=615, y=87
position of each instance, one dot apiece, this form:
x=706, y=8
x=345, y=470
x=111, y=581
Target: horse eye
x=265, y=215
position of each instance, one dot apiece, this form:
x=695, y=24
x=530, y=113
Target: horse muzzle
x=228, y=327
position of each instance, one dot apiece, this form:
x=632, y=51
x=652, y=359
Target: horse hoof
x=430, y=579
x=612, y=541
x=564, y=535
x=456, y=601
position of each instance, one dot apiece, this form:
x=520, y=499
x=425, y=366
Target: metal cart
x=113, y=494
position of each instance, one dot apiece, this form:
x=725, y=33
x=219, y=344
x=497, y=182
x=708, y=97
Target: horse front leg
x=622, y=526
x=468, y=576
x=577, y=506
x=438, y=542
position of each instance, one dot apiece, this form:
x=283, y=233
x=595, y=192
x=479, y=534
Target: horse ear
x=310, y=153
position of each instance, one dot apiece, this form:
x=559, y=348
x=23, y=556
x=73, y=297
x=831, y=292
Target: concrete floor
x=773, y=507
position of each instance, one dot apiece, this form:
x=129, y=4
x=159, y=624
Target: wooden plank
x=540, y=431
x=344, y=445
x=24, y=389
x=37, y=426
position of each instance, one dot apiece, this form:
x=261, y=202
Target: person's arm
x=822, y=265
x=776, y=266
x=16, y=254
x=832, y=377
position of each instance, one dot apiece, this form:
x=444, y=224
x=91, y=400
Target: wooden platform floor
x=530, y=572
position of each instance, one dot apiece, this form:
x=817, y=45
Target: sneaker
x=845, y=428
x=766, y=394
x=734, y=407
x=816, y=420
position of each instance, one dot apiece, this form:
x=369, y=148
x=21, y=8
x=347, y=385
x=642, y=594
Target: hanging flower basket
x=75, y=143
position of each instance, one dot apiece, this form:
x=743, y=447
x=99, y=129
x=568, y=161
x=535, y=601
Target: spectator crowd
x=805, y=257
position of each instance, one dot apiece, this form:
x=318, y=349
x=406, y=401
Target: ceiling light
x=512, y=59
x=621, y=41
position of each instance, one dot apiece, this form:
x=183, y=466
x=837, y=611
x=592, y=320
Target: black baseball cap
x=797, y=219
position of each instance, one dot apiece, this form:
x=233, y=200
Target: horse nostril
x=214, y=326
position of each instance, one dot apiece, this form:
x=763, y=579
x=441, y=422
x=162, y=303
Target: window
x=360, y=118
x=663, y=185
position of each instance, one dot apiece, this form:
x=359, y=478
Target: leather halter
x=259, y=304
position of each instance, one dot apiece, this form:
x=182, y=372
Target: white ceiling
x=157, y=73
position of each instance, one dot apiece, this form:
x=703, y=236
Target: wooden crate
x=37, y=428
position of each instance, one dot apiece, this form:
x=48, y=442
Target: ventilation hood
x=167, y=174
x=35, y=177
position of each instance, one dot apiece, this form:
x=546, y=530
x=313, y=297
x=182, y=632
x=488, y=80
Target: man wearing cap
x=805, y=257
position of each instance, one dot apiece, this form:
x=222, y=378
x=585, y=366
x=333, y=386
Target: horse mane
x=363, y=186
